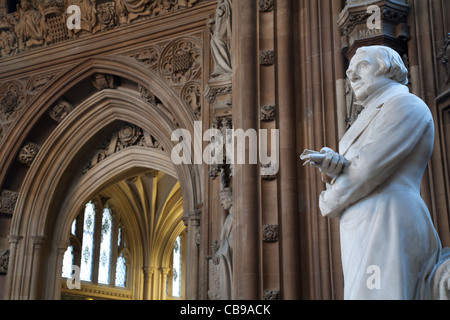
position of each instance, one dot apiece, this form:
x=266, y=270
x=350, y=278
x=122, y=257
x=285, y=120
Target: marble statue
x=221, y=40
x=373, y=186
x=224, y=255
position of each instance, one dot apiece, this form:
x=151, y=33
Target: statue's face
x=227, y=202
x=25, y=5
x=362, y=74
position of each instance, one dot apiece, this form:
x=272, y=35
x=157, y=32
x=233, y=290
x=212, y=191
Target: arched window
x=98, y=247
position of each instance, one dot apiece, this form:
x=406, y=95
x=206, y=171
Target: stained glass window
x=176, y=285
x=105, y=248
x=67, y=263
x=99, y=247
x=121, y=271
x=88, y=243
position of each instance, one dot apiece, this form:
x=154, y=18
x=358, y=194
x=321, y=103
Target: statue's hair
x=389, y=63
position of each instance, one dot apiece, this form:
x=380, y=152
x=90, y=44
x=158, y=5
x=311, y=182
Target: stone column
x=147, y=283
x=192, y=254
x=13, y=241
x=288, y=210
x=38, y=242
x=164, y=273
x=246, y=264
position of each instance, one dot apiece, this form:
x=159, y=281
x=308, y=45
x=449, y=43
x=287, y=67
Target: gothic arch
x=46, y=206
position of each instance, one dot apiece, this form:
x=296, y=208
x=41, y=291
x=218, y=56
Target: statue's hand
x=329, y=162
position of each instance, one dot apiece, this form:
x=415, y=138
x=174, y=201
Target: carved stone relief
x=181, y=61
x=12, y=99
x=103, y=81
x=444, y=56
x=266, y=5
x=267, y=57
x=270, y=233
x=61, y=110
x=127, y=136
x=37, y=24
x=191, y=96
x=268, y=113
x=8, y=201
x=271, y=295
x=4, y=261
x=27, y=154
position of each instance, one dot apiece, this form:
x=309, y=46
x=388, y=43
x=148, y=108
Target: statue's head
x=25, y=4
x=226, y=198
x=373, y=67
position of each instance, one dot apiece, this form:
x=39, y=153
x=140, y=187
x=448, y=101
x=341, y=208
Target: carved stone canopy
x=356, y=22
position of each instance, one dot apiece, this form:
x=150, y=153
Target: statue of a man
x=373, y=183
x=224, y=255
x=221, y=39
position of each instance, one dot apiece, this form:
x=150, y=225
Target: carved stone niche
x=359, y=25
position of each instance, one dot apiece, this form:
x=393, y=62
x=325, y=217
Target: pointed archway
x=52, y=192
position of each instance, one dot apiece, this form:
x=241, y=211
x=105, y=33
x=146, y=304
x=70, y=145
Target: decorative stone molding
x=61, y=110
x=4, y=261
x=27, y=154
x=270, y=233
x=266, y=5
x=267, y=57
x=271, y=295
x=8, y=200
x=268, y=113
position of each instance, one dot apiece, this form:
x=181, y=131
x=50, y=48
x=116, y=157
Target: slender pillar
x=246, y=277
x=288, y=210
x=193, y=225
x=164, y=274
x=147, y=282
x=38, y=242
x=13, y=241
